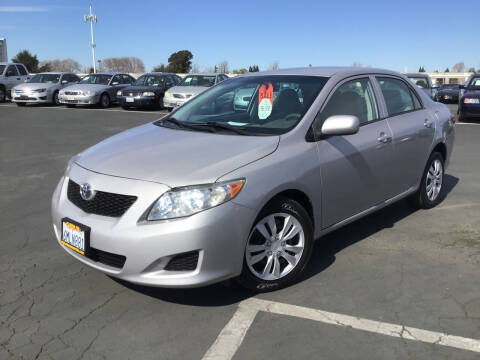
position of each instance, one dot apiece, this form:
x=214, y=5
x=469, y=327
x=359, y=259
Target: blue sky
x=397, y=35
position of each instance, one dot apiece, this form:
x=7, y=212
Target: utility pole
x=92, y=18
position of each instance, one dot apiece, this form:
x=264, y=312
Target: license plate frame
x=70, y=98
x=130, y=99
x=80, y=228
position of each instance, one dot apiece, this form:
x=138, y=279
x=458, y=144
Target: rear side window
x=22, y=70
x=354, y=97
x=397, y=95
x=11, y=71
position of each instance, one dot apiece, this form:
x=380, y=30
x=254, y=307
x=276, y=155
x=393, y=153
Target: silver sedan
x=215, y=190
x=43, y=88
x=95, y=89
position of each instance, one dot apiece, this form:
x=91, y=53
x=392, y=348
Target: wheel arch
x=442, y=149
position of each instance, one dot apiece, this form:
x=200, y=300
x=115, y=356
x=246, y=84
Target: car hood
x=87, y=87
x=174, y=157
x=34, y=86
x=472, y=93
x=195, y=90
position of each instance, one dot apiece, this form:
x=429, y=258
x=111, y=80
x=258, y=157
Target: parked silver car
x=95, y=89
x=10, y=75
x=191, y=86
x=213, y=191
x=43, y=88
x=424, y=82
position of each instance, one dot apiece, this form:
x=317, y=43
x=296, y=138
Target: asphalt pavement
x=415, y=271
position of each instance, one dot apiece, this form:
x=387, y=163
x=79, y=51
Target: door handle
x=427, y=123
x=384, y=138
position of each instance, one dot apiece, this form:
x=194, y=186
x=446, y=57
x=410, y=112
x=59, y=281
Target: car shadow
x=323, y=256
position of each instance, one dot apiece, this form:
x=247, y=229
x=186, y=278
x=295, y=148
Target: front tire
x=104, y=101
x=55, y=99
x=21, y=104
x=278, y=247
x=429, y=193
x=3, y=94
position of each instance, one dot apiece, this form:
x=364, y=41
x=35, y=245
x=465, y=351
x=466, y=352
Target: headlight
x=88, y=92
x=39, y=90
x=148, y=93
x=471, y=101
x=119, y=93
x=168, y=95
x=190, y=200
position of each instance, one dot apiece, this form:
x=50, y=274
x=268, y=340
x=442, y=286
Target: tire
x=428, y=196
x=104, y=101
x=125, y=107
x=55, y=100
x=21, y=104
x=160, y=102
x=3, y=94
x=461, y=117
x=70, y=106
x=275, y=249
x=169, y=109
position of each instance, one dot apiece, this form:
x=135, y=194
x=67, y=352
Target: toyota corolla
x=214, y=191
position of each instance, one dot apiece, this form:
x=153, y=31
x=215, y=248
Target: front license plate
x=130, y=99
x=70, y=98
x=75, y=236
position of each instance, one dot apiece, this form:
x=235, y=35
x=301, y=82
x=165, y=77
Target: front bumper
x=173, y=102
x=33, y=98
x=218, y=234
x=79, y=99
x=470, y=110
x=137, y=101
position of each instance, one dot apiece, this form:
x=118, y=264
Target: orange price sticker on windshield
x=265, y=101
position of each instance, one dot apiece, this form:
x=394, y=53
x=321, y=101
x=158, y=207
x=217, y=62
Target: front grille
x=104, y=203
x=113, y=260
x=179, y=96
x=73, y=93
x=183, y=262
x=132, y=93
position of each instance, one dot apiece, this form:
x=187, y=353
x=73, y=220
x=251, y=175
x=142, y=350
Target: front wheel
x=105, y=101
x=429, y=193
x=21, y=104
x=278, y=248
x=55, y=101
x=3, y=94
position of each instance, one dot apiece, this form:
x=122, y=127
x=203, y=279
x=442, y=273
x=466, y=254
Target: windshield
x=421, y=82
x=45, y=79
x=101, y=79
x=260, y=105
x=150, y=80
x=198, y=80
x=475, y=83
x=2, y=69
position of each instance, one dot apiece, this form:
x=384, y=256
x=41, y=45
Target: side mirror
x=340, y=125
x=64, y=82
x=115, y=83
x=462, y=87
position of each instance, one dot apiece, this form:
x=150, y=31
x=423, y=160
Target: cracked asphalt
x=415, y=268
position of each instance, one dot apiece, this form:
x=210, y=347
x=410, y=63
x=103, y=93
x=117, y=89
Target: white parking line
x=232, y=335
x=464, y=123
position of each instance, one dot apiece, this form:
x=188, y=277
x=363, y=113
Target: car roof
x=416, y=75
x=324, y=71
x=107, y=73
x=10, y=63
x=55, y=72
x=205, y=74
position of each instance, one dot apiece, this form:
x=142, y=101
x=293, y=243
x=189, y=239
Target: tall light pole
x=92, y=18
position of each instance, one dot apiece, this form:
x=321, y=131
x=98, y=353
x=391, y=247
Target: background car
x=147, y=91
x=423, y=81
x=448, y=93
x=10, y=75
x=95, y=89
x=190, y=86
x=43, y=88
x=469, y=104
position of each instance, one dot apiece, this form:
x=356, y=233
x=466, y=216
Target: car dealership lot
x=417, y=269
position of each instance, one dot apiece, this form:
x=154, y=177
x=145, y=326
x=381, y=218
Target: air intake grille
x=183, y=262
x=113, y=260
x=104, y=203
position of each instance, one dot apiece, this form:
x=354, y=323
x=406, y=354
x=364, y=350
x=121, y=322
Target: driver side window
x=355, y=97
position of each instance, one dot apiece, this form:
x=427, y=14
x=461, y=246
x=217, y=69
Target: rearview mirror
x=340, y=125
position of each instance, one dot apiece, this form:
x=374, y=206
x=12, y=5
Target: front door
x=354, y=168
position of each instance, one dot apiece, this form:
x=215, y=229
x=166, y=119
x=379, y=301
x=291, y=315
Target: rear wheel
x=105, y=101
x=429, y=193
x=278, y=248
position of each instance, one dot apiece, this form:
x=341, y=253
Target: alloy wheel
x=275, y=246
x=434, y=179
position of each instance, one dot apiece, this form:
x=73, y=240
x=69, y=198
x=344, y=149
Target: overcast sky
x=398, y=35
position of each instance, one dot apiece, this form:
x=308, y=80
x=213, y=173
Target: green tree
x=447, y=70
x=240, y=71
x=471, y=70
x=180, y=62
x=421, y=69
x=30, y=61
x=253, y=68
x=160, y=68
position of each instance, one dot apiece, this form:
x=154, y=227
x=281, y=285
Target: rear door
x=12, y=77
x=413, y=129
x=23, y=72
x=354, y=168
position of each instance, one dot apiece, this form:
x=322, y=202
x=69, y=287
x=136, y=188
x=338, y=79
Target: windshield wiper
x=182, y=124
x=217, y=125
